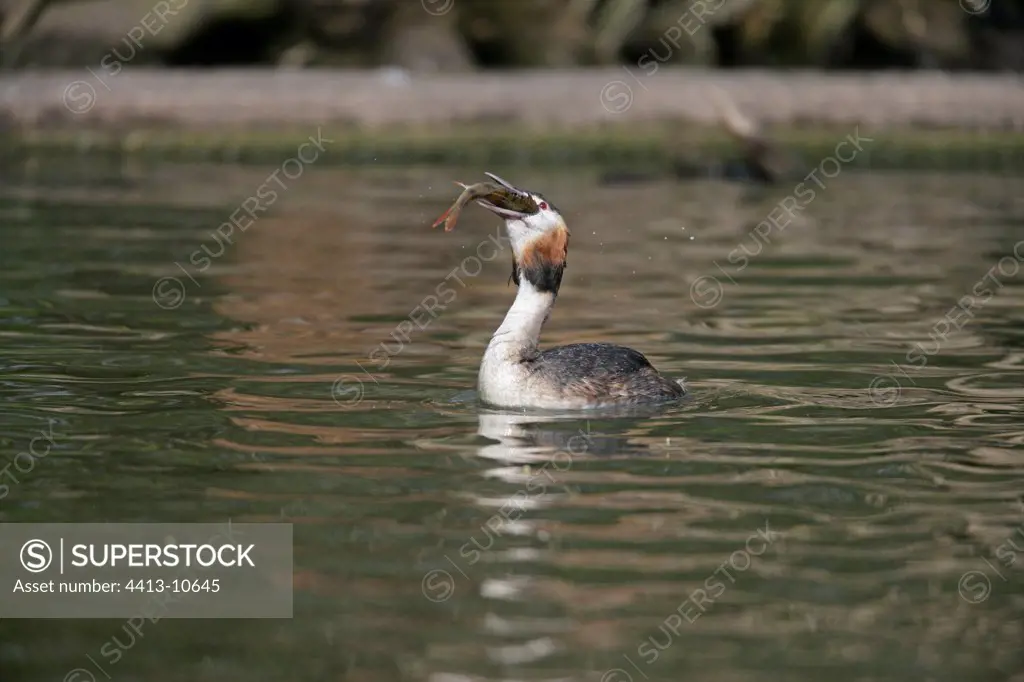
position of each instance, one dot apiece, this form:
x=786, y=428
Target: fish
x=488, y=191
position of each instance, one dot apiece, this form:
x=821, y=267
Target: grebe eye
x=543, y=205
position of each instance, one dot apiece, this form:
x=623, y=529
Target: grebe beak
x=503, y=183
x=512, y=203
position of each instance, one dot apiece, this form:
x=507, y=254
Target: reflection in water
x=436, y=540
x=525, y=438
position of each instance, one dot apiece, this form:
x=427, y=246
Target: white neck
x=520, y=330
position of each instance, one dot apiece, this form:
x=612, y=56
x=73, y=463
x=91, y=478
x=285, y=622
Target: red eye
x=543, y=205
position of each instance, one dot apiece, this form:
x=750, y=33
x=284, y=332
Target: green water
x=868, y=502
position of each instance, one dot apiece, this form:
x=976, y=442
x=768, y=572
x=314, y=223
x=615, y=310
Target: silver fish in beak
x=499, y=197
x=512, y=203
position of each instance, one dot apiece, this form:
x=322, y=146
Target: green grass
x=614, y=146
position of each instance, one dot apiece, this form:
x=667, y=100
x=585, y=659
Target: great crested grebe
x=514, y=372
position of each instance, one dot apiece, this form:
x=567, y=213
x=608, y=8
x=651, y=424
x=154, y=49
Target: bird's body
x=576, y=376
x=514, y=371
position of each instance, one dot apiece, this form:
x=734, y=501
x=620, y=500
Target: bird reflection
x=522, y=439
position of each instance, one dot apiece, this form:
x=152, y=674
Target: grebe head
x=538, y=233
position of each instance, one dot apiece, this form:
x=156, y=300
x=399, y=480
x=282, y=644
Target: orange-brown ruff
x=543, y=260
x=514, y=371
x=548, y=250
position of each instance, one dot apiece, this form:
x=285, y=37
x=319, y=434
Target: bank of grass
x=625, y=147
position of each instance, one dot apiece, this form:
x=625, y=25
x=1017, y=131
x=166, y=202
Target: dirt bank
x=376, y=101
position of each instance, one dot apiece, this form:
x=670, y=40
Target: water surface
x=839, y=498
